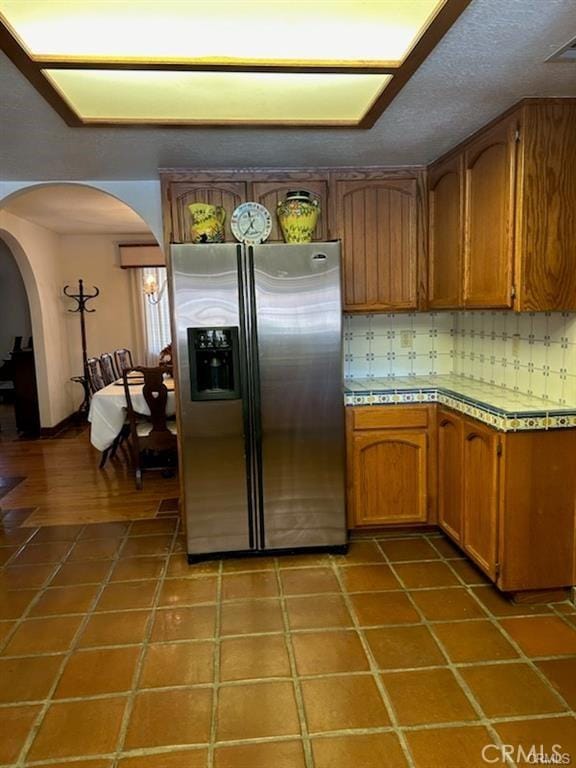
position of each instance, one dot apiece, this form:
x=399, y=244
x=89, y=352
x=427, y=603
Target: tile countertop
x=502, y=408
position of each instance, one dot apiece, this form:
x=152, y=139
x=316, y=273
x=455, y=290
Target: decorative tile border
x=505, y=421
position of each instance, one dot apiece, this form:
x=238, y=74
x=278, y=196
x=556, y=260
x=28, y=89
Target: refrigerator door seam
x=246, y=397
x=256, y=402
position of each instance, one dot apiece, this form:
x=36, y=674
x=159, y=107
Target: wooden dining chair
x=95, y=380
x=153, y=437
x=123, y=358
x=107, y=368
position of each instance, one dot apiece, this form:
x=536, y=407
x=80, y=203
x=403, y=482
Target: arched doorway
x=19, y=413
x=42, y=223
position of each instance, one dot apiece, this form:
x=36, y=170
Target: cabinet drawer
x=390, y=416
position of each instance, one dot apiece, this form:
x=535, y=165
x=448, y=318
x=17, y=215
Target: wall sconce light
x=150, y=288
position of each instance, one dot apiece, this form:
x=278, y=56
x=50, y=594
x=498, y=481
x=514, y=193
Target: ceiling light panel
x=325, y=32
x=217, y=97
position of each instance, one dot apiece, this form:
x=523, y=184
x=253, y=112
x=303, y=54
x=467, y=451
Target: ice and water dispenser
x=214, y=363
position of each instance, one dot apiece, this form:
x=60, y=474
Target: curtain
x=152, y=321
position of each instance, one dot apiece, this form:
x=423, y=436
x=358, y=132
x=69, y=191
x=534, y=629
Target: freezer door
x=206, y=295
x=299, y=339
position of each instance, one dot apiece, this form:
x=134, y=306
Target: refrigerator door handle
x=246, y=394
x=255, y=400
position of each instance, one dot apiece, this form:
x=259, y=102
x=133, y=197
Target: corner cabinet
x=481, y=460
x=507, y=499
x=468, y=466
x=450, y=474
x=378, y=220
x=445, y=199
x=489, y=167
x=390, y=465
x=501, y=214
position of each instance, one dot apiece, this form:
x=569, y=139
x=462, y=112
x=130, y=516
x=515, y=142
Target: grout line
x=297, y=687
x=389, y=705
x=39, y=592
x=216, y=669
x=48, y=701
x=482, y=719
x=336, y=565
x=522, y=656
x=128, y=709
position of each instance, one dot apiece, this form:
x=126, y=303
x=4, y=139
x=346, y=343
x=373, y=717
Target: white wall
x=14, y=312
x=36, y=251
x=94, y=258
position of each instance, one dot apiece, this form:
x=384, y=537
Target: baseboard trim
x=53, y=431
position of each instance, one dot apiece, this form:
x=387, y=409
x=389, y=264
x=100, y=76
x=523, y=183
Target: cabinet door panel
x=270, y=193
x=390, y=477
x=480, y=456
x=445, y=234
x=377, y=222
x=227, y=194
x=450, y=471
x=489, y=218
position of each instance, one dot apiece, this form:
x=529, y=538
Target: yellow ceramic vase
x=298, y=215
x=207, y=222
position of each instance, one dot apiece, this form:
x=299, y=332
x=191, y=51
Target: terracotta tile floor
x=114, y=653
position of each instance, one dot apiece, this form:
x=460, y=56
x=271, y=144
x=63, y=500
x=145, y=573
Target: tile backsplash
x=531, y=352
x=534, y=353
x=403, y=344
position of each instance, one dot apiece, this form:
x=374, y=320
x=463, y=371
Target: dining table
x=107, y=414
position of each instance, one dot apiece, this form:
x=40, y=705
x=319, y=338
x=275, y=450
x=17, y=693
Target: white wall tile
x=534, y=362
x=476, y=344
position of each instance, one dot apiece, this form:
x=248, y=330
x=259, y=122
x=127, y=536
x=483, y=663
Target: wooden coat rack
x=81, y=299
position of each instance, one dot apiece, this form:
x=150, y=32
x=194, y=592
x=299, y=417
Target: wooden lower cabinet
x=389, y=466
x=450, y=474
x=508, y=500
x=480, y=462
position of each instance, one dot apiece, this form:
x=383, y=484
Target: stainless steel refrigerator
x=259, y=378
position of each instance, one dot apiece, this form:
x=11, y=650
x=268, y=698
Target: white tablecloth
x=108, y=411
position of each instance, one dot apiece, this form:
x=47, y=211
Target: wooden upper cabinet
x=546, y=207
x=489, y=163
x=450, y=473
x=228, y=194
x=270, y=193
x=481, y=495
x=445, y=205
x=376, y=220
x=390, y=476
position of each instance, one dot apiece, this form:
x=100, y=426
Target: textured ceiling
x=492, y=57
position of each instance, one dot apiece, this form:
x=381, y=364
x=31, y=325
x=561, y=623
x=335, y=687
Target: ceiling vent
x=566, y=53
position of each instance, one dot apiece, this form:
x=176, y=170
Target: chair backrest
x=95, y=380
x=155, y=395
x=107, y=368
x=123, y=359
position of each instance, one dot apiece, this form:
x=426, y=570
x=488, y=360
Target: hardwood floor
x=63, y=484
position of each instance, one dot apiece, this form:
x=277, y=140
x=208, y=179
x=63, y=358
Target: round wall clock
x=251, y=223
